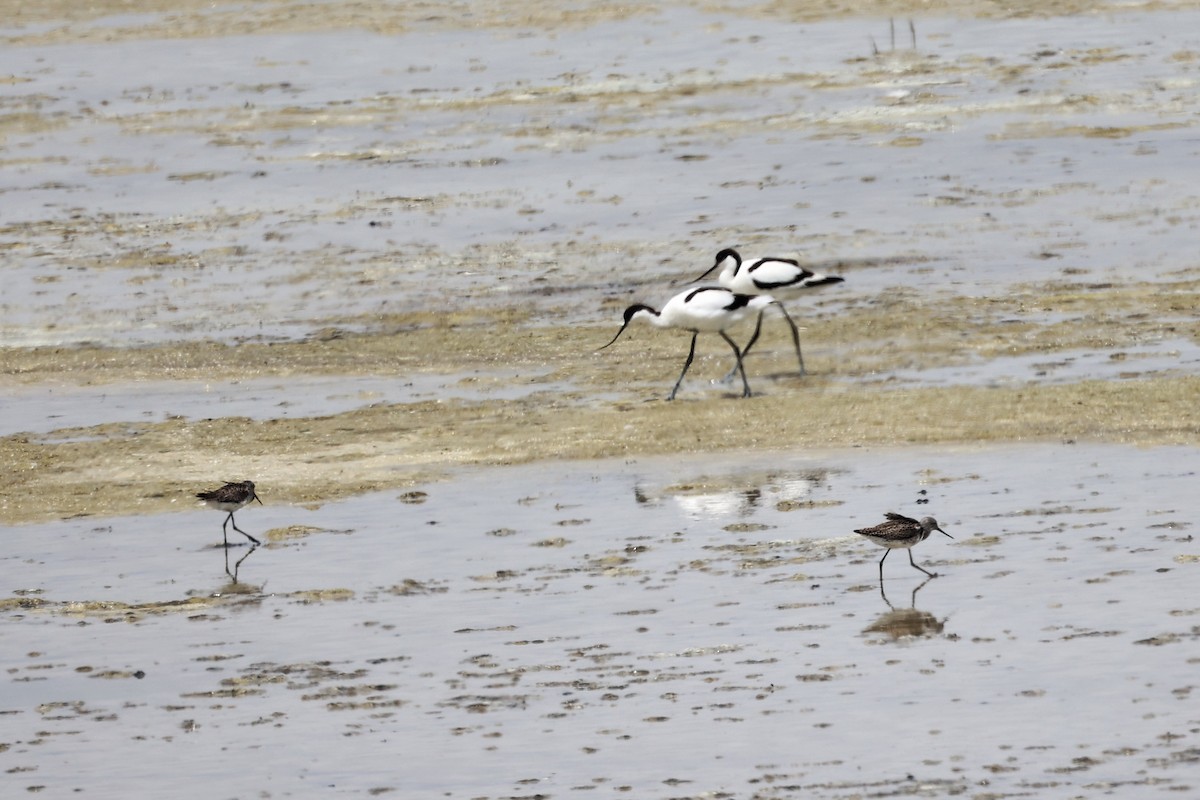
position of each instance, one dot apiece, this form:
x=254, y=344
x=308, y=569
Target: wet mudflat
x=365, y=256
x=253, y=254
x=651, y=628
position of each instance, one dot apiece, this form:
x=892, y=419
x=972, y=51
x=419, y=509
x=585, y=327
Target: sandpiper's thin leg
x=741, y=367
x=242, y=532
x=795, y=336
x=224, y=526
x=886, y=553
x=927, y=572
x=686, y=364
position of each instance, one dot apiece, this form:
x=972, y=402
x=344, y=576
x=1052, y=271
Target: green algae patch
x=109, y=610
x=322, y=595
x=291, y=532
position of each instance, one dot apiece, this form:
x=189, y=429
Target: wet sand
x=508, y=392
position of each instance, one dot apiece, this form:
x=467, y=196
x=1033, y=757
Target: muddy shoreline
x=151, y=467
x=575, y=403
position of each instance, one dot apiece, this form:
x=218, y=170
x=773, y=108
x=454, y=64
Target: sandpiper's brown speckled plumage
x=231, y=497
x=901, y=531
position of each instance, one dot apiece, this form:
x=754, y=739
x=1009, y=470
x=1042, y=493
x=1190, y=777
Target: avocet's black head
x=630, y=313
x=728, y=252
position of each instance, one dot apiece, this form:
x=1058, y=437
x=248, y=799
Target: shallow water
x=658, y=627
x=47, y=407
x=263, y=186
x=1155, y=359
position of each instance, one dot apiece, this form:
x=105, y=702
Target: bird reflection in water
x=738, y=495
x=905, y=623
x=233, y=573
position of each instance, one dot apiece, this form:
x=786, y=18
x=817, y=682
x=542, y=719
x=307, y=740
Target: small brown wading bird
x=901, y=531
x=231, y=497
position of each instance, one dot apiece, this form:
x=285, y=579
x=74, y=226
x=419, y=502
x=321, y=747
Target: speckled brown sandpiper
x=901, y=531
x=231, y=497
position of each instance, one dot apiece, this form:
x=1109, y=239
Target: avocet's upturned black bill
x=904, y=532
x=709, y=309
x=774, y=276
x=231, y=497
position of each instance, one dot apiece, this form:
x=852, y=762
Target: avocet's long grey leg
x=740, y=366
x=686, y=365
x=754, y=338
x=757, y=329
x=795, y=336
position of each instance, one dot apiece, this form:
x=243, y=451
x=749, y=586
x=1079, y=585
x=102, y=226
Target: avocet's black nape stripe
x=636, y=307
x=729, y=252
